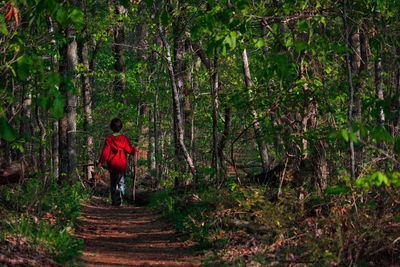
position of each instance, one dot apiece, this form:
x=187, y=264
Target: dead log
x=17, y=171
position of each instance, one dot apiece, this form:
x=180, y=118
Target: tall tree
x=177, y=114
x=87, y=96
x=262, y=148
x=67, y=124
x=118, y=47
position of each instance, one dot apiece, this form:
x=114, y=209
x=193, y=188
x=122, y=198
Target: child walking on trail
x=116, y=147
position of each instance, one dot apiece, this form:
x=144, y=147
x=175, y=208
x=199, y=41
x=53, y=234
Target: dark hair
x=116, y=125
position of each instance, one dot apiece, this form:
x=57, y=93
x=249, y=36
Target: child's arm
x=131, y=149
x=105, y=153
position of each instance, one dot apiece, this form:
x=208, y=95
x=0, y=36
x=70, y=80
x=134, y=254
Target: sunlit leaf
x=3, y=25
x=77, y=17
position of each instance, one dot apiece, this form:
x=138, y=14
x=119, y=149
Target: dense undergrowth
x=250, y=226
x=38, y=222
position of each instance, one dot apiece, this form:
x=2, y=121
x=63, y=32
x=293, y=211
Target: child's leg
x=115, y=194
x=117, y=188
x=121, y=185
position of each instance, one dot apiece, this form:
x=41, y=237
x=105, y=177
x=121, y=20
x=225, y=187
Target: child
x=114, y=154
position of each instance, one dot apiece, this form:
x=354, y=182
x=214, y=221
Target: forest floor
x=131, y=236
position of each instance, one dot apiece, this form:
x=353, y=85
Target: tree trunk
x=87, y=107
x=42, y=140
x=119, y=40
x=256, y=125
x=214, y=101
x=350, y=68
x=157, y=143
x=177, y=115
x=55, y=129
x=67, y=125
x=379, y=89
x=224, y=137
x=26, y=127
x=397, y=131
x=72, y=57
x=152, y=142
x=55, y=149
x=182, y=104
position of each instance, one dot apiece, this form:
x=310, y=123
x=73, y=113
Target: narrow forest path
x=131, y=236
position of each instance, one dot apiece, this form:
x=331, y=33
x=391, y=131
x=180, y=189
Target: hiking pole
x=134, y=176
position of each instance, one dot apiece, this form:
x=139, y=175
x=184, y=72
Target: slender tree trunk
x=119, y=40
x=216, y=161
x=55, y=150
x=55, y=129
x=143, y=139
x=72, y=58
x=26, y=127
x=152, y=142
x=63, y=149
x=188, y=112
x=214, y=101
x=179, y=70
x=379, y=89
x=397, y=131
x=351, y=93
x=87, y=106
x=42, y=140
x=256, y=125
x=180, y=142
x=8, y=151
x=157, y=143
x=67, y=124
x=224, y=137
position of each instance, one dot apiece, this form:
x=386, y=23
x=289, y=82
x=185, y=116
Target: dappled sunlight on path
x=131, y=236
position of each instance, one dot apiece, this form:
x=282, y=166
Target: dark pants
x=117, y=188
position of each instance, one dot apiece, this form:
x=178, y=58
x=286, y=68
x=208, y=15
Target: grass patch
x=190, y=213
x=43, y=215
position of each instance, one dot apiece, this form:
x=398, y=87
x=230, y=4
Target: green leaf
x=24, y=67
x=300, y=45
x=230, y=40
x=3, y=25
x=382, y=179
x=337, y=190
x=345, y=134
x=165, y=18
x=6, y=131
x=58, y=107
x=53, y=79
x=61, y=16
x=259, y=43
x=77, y=17
x=43, y=102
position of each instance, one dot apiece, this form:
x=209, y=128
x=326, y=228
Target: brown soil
x=131, y=236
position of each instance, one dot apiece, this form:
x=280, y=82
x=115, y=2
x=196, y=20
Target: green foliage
x=3, y=26
x=56, y=239
x=53, y=212
x=337, y=190
x=6, y=131
x=191, y=216
x=379, y=179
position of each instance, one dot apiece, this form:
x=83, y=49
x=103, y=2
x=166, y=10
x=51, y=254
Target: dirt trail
x=131, y=236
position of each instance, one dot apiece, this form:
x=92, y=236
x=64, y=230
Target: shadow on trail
x=131, y=236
